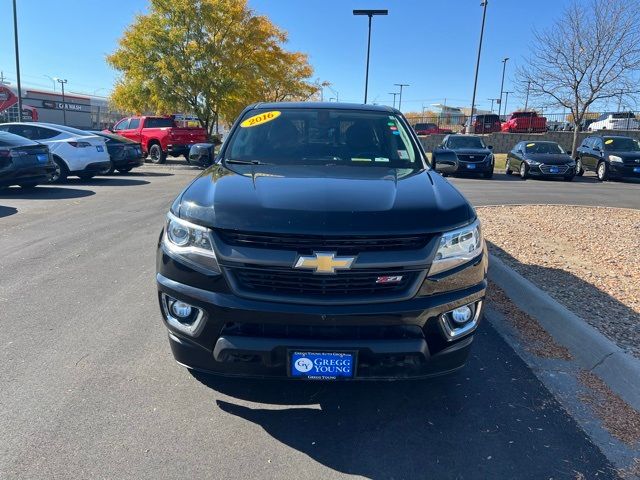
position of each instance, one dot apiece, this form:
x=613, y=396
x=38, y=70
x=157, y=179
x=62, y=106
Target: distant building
x=82, y=111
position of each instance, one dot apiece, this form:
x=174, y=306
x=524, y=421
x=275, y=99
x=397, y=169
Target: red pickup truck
x=159, y=136
x=525, y=122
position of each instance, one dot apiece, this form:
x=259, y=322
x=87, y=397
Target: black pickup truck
x=321, y=245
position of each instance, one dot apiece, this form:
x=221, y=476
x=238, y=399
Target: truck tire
x=156, y=154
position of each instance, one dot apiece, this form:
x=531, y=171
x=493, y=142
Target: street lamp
x=370, y=14
x=64, y=103
x=15, y=33
x=53, y=80
x=400, y=99
x=504, y=67
x=506, y=100
x=492, y=100
x=394, y=98
x=475, y=81
x=526, y=100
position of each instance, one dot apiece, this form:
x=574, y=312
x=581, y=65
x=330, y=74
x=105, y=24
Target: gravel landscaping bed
x=587, y=258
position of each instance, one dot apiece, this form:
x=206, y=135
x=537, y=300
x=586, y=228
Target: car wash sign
x=74, y=107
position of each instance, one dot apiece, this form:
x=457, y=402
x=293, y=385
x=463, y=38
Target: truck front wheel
x=156, y=154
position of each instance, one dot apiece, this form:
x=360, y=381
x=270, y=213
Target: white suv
x=615, y=121
x=82, y=155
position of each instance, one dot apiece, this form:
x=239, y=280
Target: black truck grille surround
x=288, y=282
x=329, y=332
x=310, y=243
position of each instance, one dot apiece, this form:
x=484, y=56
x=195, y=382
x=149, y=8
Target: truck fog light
x=461, y=321
x=461, y=315
x=181, y=309
x=182, y=316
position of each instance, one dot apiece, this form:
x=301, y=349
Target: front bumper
x=546, y=171
x=247, y=337
x=471, y=168
x=624, y=171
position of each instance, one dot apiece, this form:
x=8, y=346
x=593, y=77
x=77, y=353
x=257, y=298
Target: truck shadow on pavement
x=7, y=211
x=43, y=192
x=493, y=419
x=108, y=182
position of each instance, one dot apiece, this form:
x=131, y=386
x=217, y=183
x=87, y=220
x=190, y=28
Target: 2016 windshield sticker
x=608, y=142
x=260, y=119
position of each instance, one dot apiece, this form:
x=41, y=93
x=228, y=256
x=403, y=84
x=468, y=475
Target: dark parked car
x=609, y=157
x=124, y=154
x=321, y=246
x=202, y=153
x=540, y=159
x=23, y=162
x=467, y=153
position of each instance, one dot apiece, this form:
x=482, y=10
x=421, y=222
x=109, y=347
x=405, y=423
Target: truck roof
x=331, y=105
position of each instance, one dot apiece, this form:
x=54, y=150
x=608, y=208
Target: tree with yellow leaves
x=206, y=57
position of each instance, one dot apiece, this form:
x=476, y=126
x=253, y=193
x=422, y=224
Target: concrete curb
x=591, y=350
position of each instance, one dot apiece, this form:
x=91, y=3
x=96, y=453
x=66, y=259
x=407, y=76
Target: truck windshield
x=465, y=142
x=621, y=144
x=321, y=136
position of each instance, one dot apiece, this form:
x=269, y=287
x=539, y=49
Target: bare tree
x=591, y=53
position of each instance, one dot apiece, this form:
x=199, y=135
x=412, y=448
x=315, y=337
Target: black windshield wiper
x=245, y=162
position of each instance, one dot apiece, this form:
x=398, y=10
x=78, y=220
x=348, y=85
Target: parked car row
x=531, y=122
x=608, y=156
x=61, y=152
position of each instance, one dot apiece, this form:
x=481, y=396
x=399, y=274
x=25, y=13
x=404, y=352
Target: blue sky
x=429, y=44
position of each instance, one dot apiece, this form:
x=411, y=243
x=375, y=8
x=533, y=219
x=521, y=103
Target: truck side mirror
x=490, y=147
x=568, y=152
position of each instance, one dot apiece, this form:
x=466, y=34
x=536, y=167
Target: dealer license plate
x=636, y=169
x=322, y=365
x=554, y=169
x=43, y=157
x=471, y=166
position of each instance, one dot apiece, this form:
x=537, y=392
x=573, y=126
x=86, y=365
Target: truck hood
x=323, y=200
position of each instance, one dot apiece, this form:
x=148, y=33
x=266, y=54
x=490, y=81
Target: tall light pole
x=475, y=81
x=401, y=85
x=394, y=98
x=504, y=67
x=15, y=33
x=492, y=100
x=506, y=100
x=526, y=100
x=64, y=102
x=370, y=14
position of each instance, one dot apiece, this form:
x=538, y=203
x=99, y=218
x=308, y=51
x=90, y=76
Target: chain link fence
x=555, y=122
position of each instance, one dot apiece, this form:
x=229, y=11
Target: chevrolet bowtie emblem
x=324, y=262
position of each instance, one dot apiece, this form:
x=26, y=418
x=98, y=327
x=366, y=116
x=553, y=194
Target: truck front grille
x=340, y=244
x=292, y=283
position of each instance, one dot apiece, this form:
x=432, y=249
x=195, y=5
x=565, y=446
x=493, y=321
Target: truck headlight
x=190, y=243
x=457, y=247
x=615, y=159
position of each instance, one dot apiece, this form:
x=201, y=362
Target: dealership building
x=81, y=111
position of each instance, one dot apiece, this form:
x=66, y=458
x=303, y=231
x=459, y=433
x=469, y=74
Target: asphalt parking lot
x=89, y=388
